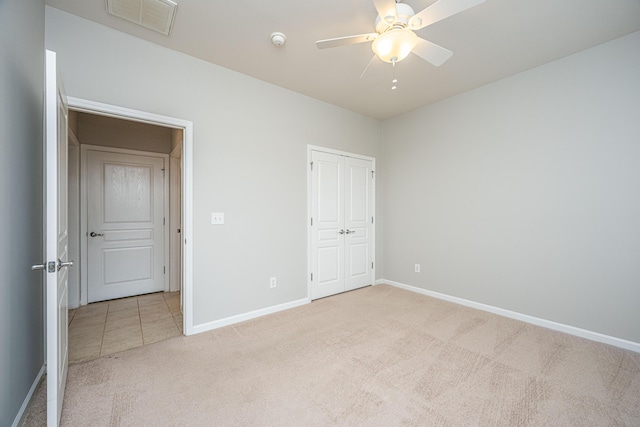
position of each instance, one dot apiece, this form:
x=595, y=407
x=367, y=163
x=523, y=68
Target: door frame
x=84, y=206
x=98, y=108
x=310, y=149
x=74, y=212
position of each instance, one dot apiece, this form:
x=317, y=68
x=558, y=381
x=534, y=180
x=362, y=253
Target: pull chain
x=395, y=80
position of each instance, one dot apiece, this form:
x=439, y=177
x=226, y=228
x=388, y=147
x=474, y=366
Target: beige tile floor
x=107, y=327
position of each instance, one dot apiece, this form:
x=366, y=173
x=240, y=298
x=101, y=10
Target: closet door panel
x=327, y=205
x=358, y=222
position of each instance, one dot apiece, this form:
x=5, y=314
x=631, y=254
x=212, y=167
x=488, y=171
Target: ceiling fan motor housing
x=404, y=13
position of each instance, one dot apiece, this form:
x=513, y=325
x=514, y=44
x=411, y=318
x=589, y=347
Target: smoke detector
x=278, y=38
x=156, y=15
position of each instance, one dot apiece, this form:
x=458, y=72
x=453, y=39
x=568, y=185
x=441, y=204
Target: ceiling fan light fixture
x=394, y=45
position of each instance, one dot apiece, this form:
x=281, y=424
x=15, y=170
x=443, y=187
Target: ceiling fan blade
x=342, y=41
x=440, y=10
x=432, y=53
x=367, y=67
x=386, y=8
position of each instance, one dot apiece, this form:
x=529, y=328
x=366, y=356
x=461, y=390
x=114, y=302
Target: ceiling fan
x=395, y=24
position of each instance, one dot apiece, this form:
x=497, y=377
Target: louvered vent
x=156, y=15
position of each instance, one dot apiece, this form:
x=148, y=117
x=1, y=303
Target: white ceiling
x=491, y=41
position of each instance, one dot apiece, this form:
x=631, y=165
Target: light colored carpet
x=379, y=356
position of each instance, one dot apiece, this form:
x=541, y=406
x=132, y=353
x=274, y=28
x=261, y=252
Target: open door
x=56, y=234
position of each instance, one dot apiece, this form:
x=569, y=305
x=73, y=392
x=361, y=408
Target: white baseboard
x=27, y=399
x=248, y=316
x=571, y=330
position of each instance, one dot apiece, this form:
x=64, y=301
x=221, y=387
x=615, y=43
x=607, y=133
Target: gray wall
x=521, y=194
x=21, y=150
x=110, y=132
x=250, y=156
x=525, y=194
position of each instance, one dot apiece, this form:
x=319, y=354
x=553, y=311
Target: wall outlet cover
x=217, y=218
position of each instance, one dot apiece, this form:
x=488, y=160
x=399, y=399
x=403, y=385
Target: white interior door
x=341, y=229
x=358, y=215
x=327, y=230
x=56, y=115
x=125, y=224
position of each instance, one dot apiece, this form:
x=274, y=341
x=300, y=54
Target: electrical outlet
x=217, y=218
x=272, y=282
x=417, y=268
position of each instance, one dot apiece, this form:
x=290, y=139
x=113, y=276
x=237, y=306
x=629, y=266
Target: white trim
x=84, y=200
x=74, y=214
x=99, y=108
x=73, y=139
x=248, y=316
x=310, y=149
x=187, y=229
x=560, y=327
x=86, y=106
x=27, y=399
x=174, y=223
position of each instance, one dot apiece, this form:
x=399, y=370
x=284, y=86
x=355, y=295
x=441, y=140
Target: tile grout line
x=104, y=327
x=140, y=320
x=170, y=312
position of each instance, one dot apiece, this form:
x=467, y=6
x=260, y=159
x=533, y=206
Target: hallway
x=107, y=327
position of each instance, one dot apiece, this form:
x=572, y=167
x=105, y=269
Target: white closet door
x=341, y=232
x=328, y=224
x=358, y=215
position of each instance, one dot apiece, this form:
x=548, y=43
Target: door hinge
x=164, y=221
x=311, y=165
x=312, y=221
x=371, y=220
x=372, y=265
x=163, y=172
x=164, y=270
x=372, y=174
x=312, y=277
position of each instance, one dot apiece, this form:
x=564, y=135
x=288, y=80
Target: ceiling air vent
x=156, y=15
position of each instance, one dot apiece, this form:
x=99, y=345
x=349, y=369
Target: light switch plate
x=217, y=218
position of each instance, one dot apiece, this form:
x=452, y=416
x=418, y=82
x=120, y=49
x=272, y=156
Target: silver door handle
x=350, y=231
x=341, y=232
x=64, y=264
x=39, y=267
x=49, y=266
x=94, y=234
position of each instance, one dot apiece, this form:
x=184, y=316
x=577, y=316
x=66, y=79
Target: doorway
x=124, y=237
x=176, y=161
